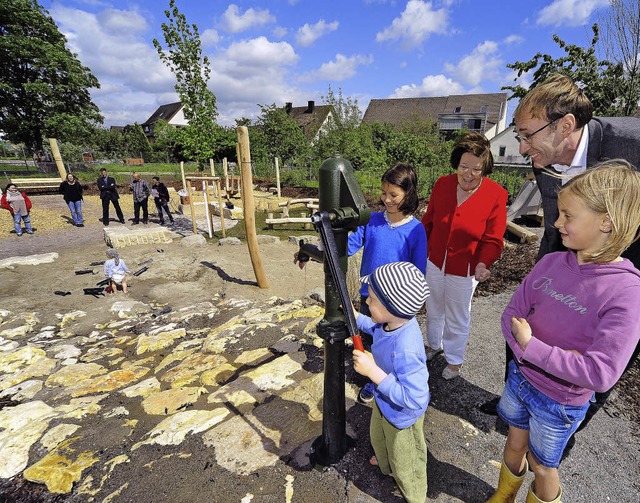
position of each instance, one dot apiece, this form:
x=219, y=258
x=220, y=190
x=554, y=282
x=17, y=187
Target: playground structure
x=309, y=203
x=45, y=183
x=526, y=204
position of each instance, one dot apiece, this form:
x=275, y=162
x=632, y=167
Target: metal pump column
x=342, y=199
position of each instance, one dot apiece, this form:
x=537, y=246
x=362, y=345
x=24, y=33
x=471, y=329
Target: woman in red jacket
x=465, y=223
x=19, y=206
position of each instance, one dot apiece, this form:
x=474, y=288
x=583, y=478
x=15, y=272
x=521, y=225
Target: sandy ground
x=464, y=444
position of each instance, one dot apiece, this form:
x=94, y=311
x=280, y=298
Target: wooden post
x=219, y=189
x=56, y=157
x=184, y=181
x=225, y=170
x=207, y=213
x=247, y=202
x=213, y=169
x=278, y=178
x=193, y=210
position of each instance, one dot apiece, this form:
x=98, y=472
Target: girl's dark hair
x=475, y=144
x=9, y=185
x=404, y=176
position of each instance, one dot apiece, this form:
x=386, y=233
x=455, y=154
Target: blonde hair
x=611, y=188
x=553, y=99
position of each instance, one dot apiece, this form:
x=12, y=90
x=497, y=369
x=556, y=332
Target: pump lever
x=322, y=223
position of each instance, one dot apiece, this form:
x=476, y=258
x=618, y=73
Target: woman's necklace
x=393, y=225
x=470, y=191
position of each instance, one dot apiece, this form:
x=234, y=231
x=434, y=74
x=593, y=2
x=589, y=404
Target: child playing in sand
x=115, y=269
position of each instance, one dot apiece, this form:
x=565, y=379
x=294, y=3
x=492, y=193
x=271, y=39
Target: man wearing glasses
x=555, y=127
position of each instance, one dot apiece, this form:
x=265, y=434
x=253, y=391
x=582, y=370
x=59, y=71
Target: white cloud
x=415, y=24
x=209, y=37
x=569, y=12
x=482, y=64
x=432, y=85
x=234, y=22
x=308, y=34
x=280, y=31
x=249, y=73
x=244, y=58
x=111, y=44
x=342, y=68
x=513, y=39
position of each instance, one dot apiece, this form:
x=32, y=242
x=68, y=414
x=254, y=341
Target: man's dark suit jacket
x=108, y=188
x=609, y=138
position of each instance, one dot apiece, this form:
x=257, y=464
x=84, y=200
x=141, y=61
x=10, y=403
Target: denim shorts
x=550, y=424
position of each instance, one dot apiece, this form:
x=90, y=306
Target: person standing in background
x=141, y=192
x=71, y=190
x=161, y=198
x=19, y=205
x=109, y=193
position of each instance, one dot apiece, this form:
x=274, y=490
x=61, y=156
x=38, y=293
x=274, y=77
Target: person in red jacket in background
x=19, y=205
x=465, y=223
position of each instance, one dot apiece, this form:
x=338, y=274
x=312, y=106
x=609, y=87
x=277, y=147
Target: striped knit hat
x=400, y=286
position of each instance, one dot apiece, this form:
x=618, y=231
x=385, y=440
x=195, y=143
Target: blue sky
x=279, y=51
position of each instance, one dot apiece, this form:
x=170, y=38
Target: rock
x=317, y=294
x=129, y=308
x=194, y=241
x=229, y=242
x=171, y=401
x=159, y=341
x=265, y=239
x=58, y=470
x=20, y=427
x=174, y=429
x=312, y=239
x=43, y=258
x=26, y=390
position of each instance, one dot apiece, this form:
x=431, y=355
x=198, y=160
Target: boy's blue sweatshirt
x=403, y=395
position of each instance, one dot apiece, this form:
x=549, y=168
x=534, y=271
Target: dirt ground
x=461, y=439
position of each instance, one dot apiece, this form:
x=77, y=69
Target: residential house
x=173, y=113
x=311, y=119
x=506, y=149
x=486, y=113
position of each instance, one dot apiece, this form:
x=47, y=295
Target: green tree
x=275, y=134
x=44, y=89
x=620, y=25
x=136, y=143
x=603, y=81
x=184, y=58
x=167, y=143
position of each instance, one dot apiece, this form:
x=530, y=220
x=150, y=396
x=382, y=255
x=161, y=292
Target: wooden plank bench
x=310, y=202
x=36, y=183
x=289, y=220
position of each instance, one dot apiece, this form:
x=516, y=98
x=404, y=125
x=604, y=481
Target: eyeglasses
x=463, y=169
x=527, y=137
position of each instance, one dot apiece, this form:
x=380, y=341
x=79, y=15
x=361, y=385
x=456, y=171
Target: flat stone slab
x=43, y=258
x=121, y=237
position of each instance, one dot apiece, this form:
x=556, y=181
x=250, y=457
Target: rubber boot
x=532, y=498
x=508, y=484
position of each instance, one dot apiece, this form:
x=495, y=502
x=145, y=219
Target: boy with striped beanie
x=397, y=365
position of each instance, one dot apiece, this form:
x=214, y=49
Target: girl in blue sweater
x=392, y=235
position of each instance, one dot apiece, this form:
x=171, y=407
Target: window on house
x=457, y=110
x=502, y=151
x=450, y=124
x=474, y=124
